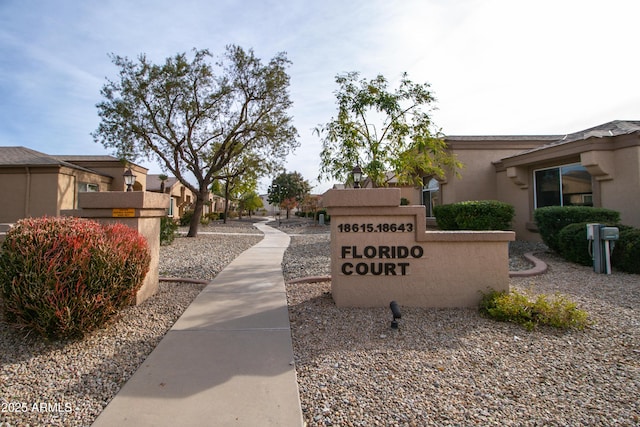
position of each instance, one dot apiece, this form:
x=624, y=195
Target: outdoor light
x=129, y=179
x=395, y=310
x=357, y=176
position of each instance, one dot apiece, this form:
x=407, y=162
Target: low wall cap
x=361, y=197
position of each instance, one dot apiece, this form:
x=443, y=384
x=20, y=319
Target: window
x=170, y=209
x=86, y=187
x=430, y=195
x=568, y=185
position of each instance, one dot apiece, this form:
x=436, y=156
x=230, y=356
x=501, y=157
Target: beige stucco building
x=599, y=167
x=36, y=184
x=181, y=198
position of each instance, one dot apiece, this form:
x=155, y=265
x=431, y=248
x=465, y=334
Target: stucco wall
x=13, y=188
x=39, y=191
x=622, y=193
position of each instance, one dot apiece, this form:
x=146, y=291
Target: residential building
x=36, y=184
x=182, y=198
x=599, y=167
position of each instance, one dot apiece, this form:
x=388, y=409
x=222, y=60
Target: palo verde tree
x=382, y=131
x=195, y=117
x=287, y=190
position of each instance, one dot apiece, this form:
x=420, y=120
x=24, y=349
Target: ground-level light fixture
x=357, y=176
x=129, y=179
x=395, y=311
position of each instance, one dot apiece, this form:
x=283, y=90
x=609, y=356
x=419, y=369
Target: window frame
x=428, y=188
x=560, y=175
x=88, y=187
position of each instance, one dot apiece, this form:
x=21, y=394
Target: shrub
x=475, y=215
x=446, y=216
x=551, y=219
x=168, y=229
x=185, y=219
x=558, y=312
x=63, y=277
x=573, y=244
x=626, y=253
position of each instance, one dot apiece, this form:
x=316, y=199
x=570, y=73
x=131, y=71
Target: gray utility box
x=601, y=242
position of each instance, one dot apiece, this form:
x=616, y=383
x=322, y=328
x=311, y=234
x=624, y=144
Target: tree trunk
x=197, y=214
x=226, y=202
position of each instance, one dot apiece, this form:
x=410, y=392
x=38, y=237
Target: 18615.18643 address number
x=375, y=228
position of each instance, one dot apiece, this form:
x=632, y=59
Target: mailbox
x=609, y=233
x=601, y=242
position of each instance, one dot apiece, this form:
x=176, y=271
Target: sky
x=496, y=67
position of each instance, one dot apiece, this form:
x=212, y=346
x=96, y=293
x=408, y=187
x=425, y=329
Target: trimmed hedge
x=573, y=244
x=475, y=215
x=63, y=277
x=551, y=219
x=626, y=254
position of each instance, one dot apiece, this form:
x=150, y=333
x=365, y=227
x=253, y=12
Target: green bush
x=475, y=215
x=551, y=219
x=573, y=244
x=626, y=253
x=446, y=216
x=558, y=312
x=63, y=277
x=168, y=229
x=185, y=219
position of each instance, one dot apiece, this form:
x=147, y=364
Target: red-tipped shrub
x=63, y=277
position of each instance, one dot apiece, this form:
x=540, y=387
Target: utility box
x=601, y=243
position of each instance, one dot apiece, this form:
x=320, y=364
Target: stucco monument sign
x=381, y=252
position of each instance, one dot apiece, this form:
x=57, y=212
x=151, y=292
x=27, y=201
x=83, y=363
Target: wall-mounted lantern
x=129, y=179
x=357, y=176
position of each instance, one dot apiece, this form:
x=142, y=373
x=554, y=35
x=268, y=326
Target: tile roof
x=492, y=138
x=85, y=158
x=26, y=157
x=609, y=129
x=22, y=156
x=153, y=182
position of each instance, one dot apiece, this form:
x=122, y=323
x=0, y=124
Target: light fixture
x=129, y=179
x=357, y=176
x=395, y=310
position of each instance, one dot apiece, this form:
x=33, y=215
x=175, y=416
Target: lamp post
x=129, y=179
x=357, y=176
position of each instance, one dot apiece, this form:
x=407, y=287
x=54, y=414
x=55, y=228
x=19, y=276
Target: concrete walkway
x=228, y=360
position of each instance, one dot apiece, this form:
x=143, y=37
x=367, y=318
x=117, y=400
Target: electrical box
x=609, y=233
x=591, y=231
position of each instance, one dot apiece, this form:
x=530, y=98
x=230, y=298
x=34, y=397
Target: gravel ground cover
x=69, y=383
x=441, y=367
x=454, y=367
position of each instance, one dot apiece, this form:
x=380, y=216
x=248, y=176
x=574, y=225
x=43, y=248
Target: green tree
x=195, y=117
x=239, y=176
x=382, y=131
x=288, y=189
x=250, y=201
